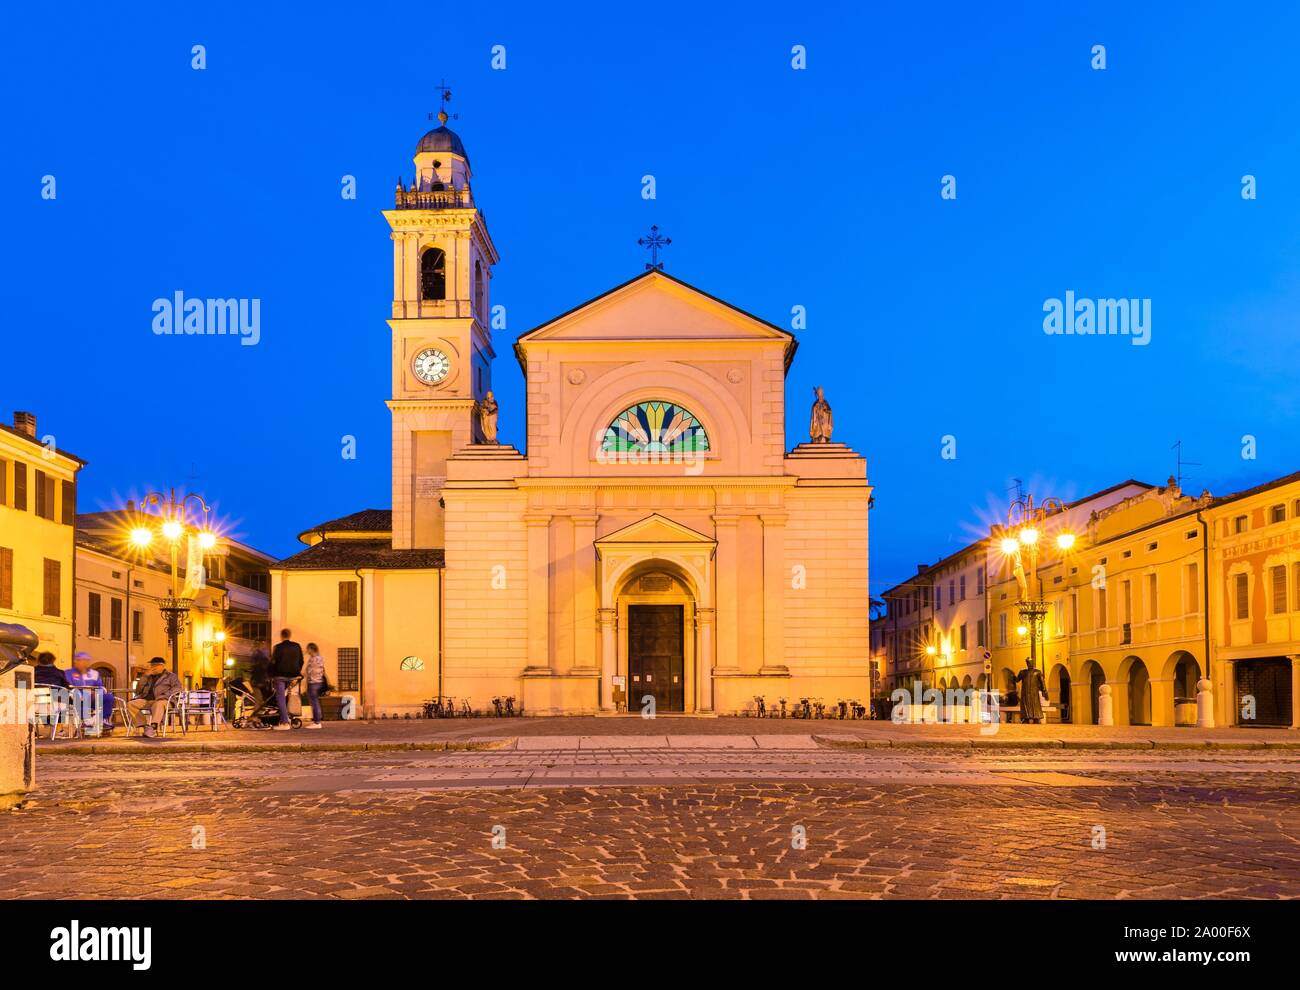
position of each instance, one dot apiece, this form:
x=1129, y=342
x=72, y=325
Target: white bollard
x=1105, y=706
x=1204, y=704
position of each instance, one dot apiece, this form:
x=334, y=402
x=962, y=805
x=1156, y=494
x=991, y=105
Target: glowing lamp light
x=931, y=650
x=1029, y=536
x=172, y=530
x=1022, y=630
x=1010, y=546
x=142, y=536
x=230, y=662
x=221, y=636
x=207, y=540
x=1065, y=541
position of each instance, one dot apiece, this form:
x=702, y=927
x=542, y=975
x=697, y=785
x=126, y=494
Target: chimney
x=25, y=423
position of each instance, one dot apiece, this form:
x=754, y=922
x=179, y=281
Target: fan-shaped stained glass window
x=655, y=427
x=412, y=663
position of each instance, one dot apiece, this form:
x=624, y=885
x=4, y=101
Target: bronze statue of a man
x=819, y=431
x=1032, y=689
x=487, y=419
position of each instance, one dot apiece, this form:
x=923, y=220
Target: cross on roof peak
x=654, y=241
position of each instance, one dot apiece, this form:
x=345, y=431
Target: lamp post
x=173, y=525
x=1021, y=540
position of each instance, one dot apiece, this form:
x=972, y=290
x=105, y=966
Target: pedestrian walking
x=316, y=684
x=286, y=666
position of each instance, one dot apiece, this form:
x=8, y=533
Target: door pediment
x=656, y=530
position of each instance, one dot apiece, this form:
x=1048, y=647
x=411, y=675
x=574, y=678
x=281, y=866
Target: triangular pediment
x=655, y=529
x=655, y=306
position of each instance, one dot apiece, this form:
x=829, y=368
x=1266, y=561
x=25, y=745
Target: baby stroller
x=256, y=709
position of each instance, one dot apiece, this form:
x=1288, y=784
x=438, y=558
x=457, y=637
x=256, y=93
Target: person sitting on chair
x=50, y=676
x=83, y=675
x=152, y=692
x=47, y=674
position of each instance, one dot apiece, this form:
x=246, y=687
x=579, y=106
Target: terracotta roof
x=365, y=521
x=1286, y=479
x=335, y=555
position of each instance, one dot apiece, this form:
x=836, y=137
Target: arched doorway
x=1183, y=670
x=1058, y=690
x=1139, y=692
x=1092, y=675
x=107, y=675
x=656, y=611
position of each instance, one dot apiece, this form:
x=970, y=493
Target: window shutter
x=1243, y=597
x=53, y=591
x=6, y=578
x=69, y=503
x=20, y=485
x=347, y=598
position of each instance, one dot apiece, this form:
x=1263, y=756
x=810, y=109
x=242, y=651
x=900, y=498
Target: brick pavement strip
x=1176, y=825
x=474, y=733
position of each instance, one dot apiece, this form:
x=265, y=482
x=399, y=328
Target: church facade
x=656, y=547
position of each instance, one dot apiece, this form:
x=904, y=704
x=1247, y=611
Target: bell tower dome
x=441, y=342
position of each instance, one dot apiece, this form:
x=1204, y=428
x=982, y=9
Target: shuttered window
x=347, y=598
x=94, y=616
x=115, y=619
x=45, y=488
x=6, y=578
x=1243, y=597
x=20, y=485
x=53, y=587
x=4, y=482
x=69, y=503
x=43, y=508
x=1279, y=589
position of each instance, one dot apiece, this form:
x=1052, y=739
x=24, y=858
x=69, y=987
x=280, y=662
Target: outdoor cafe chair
x=194, y=704
x=55, y=709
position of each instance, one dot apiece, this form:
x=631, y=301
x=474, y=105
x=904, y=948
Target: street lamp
x=174, y=525
x=1021, y=542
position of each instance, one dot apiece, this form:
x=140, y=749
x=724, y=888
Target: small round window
x=412, y=663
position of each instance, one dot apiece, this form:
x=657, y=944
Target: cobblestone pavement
x=397, y=732
x=660, y=823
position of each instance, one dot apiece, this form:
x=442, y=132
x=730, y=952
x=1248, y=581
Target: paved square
x=704, y=821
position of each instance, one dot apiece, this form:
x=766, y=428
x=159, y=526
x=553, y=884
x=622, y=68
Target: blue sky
x=779, y=188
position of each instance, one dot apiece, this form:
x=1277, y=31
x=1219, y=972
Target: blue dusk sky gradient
x=779, y=188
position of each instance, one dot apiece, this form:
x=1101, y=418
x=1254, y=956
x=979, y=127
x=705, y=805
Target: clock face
x=431, y=365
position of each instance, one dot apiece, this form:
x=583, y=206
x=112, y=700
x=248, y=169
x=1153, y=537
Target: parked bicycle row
x=845, y=708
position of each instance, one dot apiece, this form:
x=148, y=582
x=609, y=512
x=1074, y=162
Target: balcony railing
x=434, y=199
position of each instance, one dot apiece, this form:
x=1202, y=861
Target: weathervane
x=444, y=97
x=654, y=242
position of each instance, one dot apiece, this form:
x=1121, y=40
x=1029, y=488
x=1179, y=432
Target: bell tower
x=442, y=346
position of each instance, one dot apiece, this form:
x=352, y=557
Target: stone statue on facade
x=820, y=429
x=487, y=419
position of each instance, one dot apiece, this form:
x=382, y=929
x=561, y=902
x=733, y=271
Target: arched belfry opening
x=433, y=274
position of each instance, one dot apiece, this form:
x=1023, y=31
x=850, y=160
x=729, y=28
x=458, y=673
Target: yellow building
x=1126, y=608
x=38, y=509
x=939, y=623
x=1255, y=604
x=119, y=589
x=657, y=540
